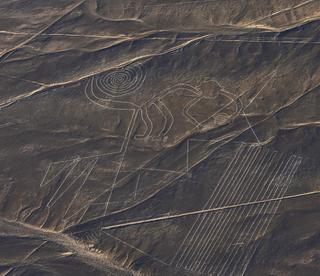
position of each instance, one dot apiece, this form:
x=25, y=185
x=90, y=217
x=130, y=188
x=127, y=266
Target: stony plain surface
x=168, y=137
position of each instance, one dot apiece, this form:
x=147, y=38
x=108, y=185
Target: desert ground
x=168, y=137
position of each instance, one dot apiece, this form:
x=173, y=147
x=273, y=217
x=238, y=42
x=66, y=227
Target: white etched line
x=272, y=194
x=226, y=236
x=266, y=182
x=209, y=205
x=195, y=213
x=121, y=162
x=216, y=218
x=113, y=37
x=4, y=54
x=8, y=272
x=186, y=113
x=67, y=165
x=230, y=165
x=273, y=74
x=223, y=222
x=85, y=210
x=46, y=173
x=162, y=170
x=276, y=206
x=223, y=179
x=171, y=117
x=251, y=128
x=275, y=176
x=135, y=248
x=63, y=181
x=279, y=12
x=72, y=182
x=165, y=120
x=150, y=121
x=188, y=148
x=90, y=169
x=91, y=202
x=204, y=225
x=214, y=230
x=85, y=207
x=262, y=167
x=145, y=124
x=226, y=199
x=136, y=188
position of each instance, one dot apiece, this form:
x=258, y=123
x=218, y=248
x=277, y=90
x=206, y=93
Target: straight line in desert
x=42, y=30
x=137, y=222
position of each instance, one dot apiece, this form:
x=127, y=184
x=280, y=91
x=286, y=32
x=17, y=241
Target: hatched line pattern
x=223, y=243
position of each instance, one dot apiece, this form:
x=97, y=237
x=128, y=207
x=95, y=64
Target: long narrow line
x=165, y=120
x=297, y=40
x=92, y=201
x=187, y=115
x=91, y=167
x=251, y=128
x=227, y=198
x=22, y=79
x=165, y=4
x=140, y=136
x=131, y=127
x=8, y=272
x=217, y=190
x=161, y=170
x=135, y=248
x=272, y=41
x=279, y=12
x=171, y=116
x=29, y=39
x=275, y=176
x=188, y=146
x=277, y=204
x=72, y=182
x=223, y=227
x=204, y=224
x=214, y=229
x=266, y=223
x=260, y=178
x=62, y=183
x=193, y=213
x=44, y=183
x=289, y=166
x=137, y=185
x=222, y=230
x=273, y=74
x=222, y=179
x=83, y=214
x=85, y=209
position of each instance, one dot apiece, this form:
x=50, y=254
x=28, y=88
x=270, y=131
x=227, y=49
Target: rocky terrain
x=144, y=137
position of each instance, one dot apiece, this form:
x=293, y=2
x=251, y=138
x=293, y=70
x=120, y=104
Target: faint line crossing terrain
x=223, y=242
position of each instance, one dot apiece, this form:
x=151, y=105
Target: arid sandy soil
x=144, y=137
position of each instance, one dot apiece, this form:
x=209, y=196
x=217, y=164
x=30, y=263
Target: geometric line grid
x=223, y=243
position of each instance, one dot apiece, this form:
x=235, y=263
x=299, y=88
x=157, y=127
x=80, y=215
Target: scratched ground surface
x=169, y=137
